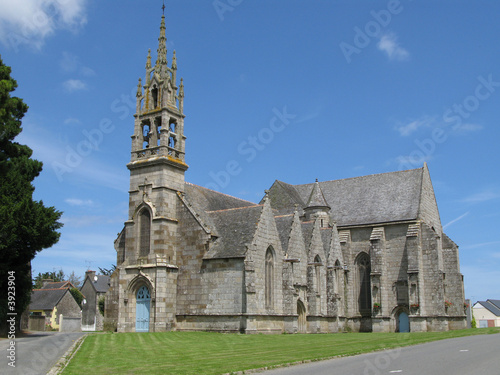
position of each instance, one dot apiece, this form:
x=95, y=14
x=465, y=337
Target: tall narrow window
x=269, y=271
x=145, y=134
x=144, y=232
x=317, y=271
x=154, y=94
x=172, y=126
x=337, y=273
x=364, y=300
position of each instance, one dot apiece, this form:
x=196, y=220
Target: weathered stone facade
x=94, y=288
x=362, y=254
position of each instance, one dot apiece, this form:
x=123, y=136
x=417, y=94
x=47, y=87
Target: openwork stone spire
x=161, y=60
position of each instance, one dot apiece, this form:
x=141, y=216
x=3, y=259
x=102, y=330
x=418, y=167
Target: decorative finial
x=139, y=88
x=181, y=89
x=316, y=180
x=174, y=61
x=148, y=61
x=163, y=7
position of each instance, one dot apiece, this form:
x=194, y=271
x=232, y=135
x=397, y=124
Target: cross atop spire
x=163, y=7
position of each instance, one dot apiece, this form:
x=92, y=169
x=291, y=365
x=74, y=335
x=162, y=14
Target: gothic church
x=360, y=254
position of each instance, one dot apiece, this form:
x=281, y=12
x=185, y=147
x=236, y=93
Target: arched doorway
x=403, y=322
x=302, y=320
x=142, y=307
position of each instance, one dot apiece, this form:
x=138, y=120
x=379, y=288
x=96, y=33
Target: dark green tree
x=53, y=275
x=107, y=271
x=77, y=295
x=26, y=225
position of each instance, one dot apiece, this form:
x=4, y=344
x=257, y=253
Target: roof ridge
x=236, y=208
x=359, y=177
x=218, y=192
x=284, y=215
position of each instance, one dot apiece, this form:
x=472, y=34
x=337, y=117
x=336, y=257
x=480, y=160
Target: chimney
x=46, y=281
x=90, y=274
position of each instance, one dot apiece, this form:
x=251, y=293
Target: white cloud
x=466, y=128
x=30, y=22
x=482, y=196
x=72, y=121
x=455, y=220
x=388, y=43
x=407, y=128
x=415, y=159
x=70, y=63
x=72, y=85
x=79, y=202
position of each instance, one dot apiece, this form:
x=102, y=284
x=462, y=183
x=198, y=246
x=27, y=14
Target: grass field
x=213, y=353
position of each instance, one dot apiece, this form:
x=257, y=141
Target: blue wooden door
x=142, y=310
x=404, y=322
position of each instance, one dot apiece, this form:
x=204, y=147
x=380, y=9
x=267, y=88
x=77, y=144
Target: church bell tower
x=157, y=162
x=147, y=249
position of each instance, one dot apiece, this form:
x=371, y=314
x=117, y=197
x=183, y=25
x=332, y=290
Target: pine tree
x=26, y=225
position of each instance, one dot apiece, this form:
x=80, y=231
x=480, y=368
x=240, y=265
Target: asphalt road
x=36, y=353
x=478, y=355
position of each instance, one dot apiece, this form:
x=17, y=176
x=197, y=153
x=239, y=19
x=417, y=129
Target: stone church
x=358, y=254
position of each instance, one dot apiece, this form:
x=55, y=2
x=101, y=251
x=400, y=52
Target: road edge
x=66, y=358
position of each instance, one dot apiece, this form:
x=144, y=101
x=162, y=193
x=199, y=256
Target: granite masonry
x=359, y=254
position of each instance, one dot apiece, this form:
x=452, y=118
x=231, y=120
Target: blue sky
x=360, y=87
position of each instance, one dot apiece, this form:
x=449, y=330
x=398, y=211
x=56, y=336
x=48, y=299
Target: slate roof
x=210, y=200
x=236, y=228
x=316, y=198
x=491, y=305
x=307, y=232
x=101, y=285
x=57, y=285
x=46, y=299
x=378, y=198
x=284, y=226
x=326, y=237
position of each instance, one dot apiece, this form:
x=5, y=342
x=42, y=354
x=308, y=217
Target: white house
x=487, y=313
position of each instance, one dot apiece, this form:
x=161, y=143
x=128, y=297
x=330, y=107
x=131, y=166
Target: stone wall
x=68, y=307
x=89, y=306
x=111, y=303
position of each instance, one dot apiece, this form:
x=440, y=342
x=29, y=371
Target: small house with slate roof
x=94, y=288
x=54, y=302
x=364, y=254
x=487, y=313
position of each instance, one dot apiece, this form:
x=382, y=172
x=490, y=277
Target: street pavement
x=478, y=355
x=35, y=353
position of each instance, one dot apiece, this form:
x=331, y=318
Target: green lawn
x=213, y=353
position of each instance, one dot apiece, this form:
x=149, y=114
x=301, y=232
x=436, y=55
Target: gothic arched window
x=364, y=299
x=144, y=232
x=269, y=276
